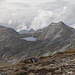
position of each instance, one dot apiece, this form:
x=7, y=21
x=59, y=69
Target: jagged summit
x=55, y=30
x=58, y=23
x=61, y=22
x=31, y=30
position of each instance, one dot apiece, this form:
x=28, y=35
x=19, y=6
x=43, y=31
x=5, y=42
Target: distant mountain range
x=26, y=31
x=57, y=37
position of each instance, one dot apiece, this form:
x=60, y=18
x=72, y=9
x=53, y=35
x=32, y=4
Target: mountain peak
x=55, y=30
x=59, y=23
x=31, y=30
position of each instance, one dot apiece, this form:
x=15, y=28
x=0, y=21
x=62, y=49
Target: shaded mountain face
x=8, y=39
x=56, y=30
x=8, y=31
x=57, y=37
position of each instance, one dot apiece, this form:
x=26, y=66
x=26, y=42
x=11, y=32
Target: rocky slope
x=8, y=40
x=56, y=30
x=52, y=54
x=59, y=64
x=57, y=37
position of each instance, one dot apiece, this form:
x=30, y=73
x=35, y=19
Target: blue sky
x=25, y=14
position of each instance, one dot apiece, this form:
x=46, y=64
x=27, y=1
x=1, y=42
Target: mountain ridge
x=51, y=40
x=55, y=28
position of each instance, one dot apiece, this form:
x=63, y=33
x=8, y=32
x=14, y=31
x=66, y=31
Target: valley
x=47, y=51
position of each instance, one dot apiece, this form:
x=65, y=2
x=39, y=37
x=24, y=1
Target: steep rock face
x=9, y=39
x=57, y=37
x=56, y=30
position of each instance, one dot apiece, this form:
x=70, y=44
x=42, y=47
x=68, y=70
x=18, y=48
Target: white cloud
x=33, y=2
x=63, y=13
x=10, y=22
x=21, y=27
x=42, y=19
x=73, y=26
x=67, y=14
x=19, y=13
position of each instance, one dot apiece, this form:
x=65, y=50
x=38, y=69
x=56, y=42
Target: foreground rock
x=59, y=64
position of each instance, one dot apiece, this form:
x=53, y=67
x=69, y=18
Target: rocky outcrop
x=62, y=64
